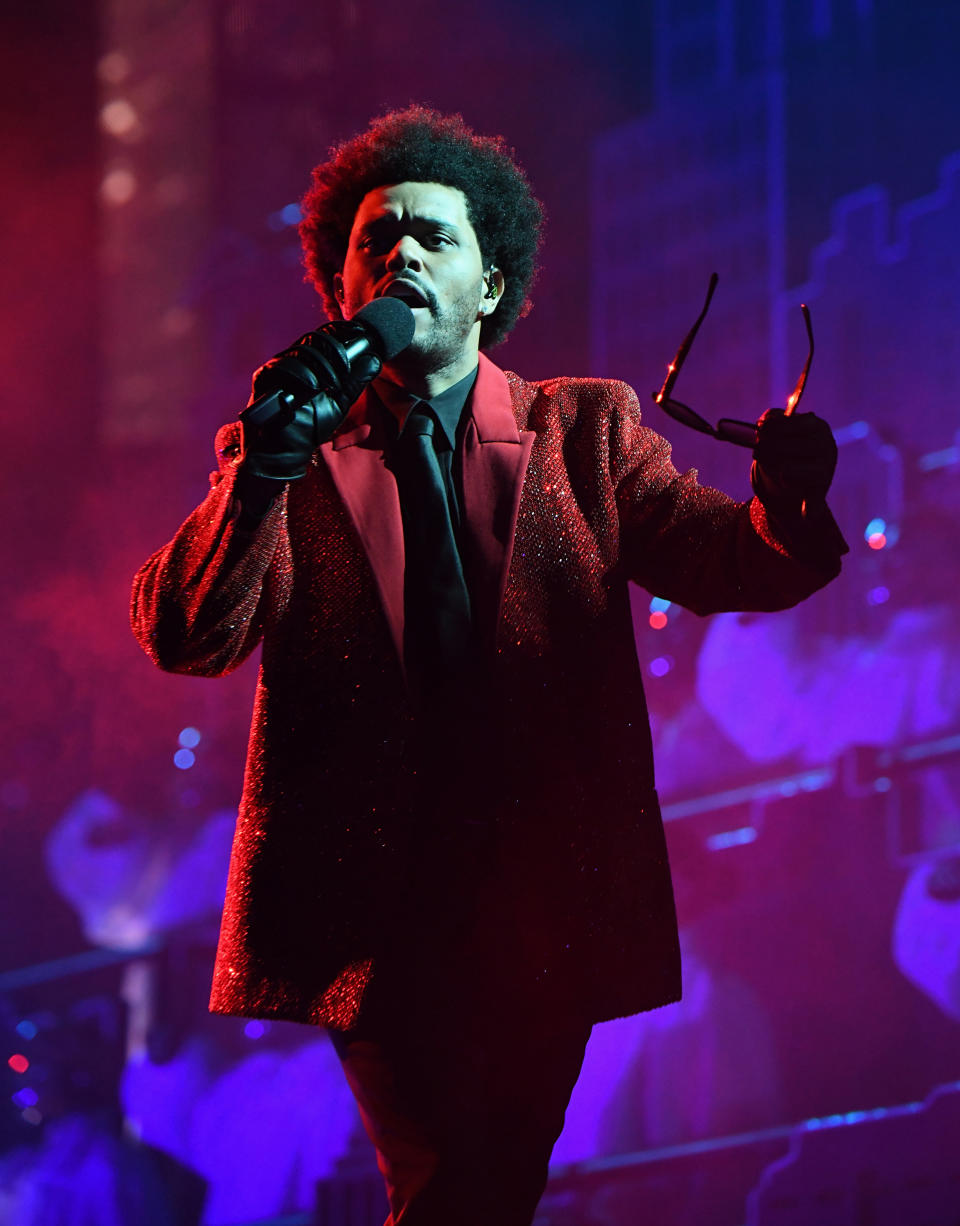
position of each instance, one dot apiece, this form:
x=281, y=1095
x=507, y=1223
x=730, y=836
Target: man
x=449, y=850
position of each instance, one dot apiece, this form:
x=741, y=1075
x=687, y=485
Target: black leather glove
x=793, y=462
x=309, y=389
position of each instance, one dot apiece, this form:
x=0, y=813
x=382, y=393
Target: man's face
x=415, y=241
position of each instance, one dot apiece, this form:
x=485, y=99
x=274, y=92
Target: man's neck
x=426, y=384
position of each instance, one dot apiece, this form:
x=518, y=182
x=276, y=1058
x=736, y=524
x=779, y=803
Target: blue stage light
x=183, y=759
x=189, y=738
x=732, y=838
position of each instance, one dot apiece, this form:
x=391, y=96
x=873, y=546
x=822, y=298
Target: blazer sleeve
x=697, y=546
x=199, y=604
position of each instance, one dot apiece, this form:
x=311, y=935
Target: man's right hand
x=281, y=434
x=310, y=388
x=280, y=449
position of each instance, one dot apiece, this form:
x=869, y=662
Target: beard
x=443, y=341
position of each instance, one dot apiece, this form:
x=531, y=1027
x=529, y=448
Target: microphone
x=337, y=359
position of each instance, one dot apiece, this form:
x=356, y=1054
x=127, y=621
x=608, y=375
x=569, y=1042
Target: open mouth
x=407, y=292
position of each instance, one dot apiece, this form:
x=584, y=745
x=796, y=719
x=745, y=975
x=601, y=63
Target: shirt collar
x=447, y=405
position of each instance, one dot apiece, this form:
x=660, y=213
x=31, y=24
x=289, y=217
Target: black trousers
x=462, y=1077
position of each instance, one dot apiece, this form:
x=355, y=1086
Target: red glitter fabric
x=528, y=837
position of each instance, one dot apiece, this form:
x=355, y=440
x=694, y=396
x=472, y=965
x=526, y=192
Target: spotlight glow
x=118, y=186
x=119, y=118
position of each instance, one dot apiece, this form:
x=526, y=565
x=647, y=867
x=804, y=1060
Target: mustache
x=427, y=295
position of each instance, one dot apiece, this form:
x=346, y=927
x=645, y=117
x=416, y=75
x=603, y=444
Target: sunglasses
x=727, y=429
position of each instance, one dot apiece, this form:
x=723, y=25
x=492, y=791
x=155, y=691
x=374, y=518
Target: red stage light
x=18, y=1063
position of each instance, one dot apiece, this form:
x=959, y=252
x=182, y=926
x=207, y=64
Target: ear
x=493, y=284
x=338, y=288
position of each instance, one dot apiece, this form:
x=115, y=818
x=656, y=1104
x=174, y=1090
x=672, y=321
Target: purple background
x=807, y=762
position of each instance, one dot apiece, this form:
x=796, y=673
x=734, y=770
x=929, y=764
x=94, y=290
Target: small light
x=290, y=215
x=732, y=838
x=189, y=738
x=254, y=1030
x=27, y=1029
x=876, y=527
x=661, y=666
x=878, y=595
x=113, y=67
x=19, y=1063
x=32, y=1115
x=118, y=186
x=183, y=759
x=659, y=605
x=657, y=621
x=877, y=540
x=27, y=1097
x=119, y=118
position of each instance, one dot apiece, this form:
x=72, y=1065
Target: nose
x=405, y=254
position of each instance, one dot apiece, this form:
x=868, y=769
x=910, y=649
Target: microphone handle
x=266, y=407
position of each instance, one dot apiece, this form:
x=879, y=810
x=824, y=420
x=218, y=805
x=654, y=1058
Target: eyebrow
x=388, y=219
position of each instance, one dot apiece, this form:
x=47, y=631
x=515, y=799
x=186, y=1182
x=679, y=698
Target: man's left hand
x=793, y=461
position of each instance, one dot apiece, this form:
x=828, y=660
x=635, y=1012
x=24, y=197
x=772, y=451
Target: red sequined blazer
x=338, y=860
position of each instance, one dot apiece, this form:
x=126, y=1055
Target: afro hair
x=419, y=145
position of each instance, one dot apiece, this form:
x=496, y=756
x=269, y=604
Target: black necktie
x=437, y=624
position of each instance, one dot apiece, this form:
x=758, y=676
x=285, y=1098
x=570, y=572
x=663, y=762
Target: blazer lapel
x=369, y=491
x=496, y=454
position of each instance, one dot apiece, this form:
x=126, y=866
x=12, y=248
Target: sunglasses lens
x=743, y=433
x=686, y=416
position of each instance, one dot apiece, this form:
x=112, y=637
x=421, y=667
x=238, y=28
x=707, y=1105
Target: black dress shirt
x=448, y=408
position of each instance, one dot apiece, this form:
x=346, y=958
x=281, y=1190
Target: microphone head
x=392, y=324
